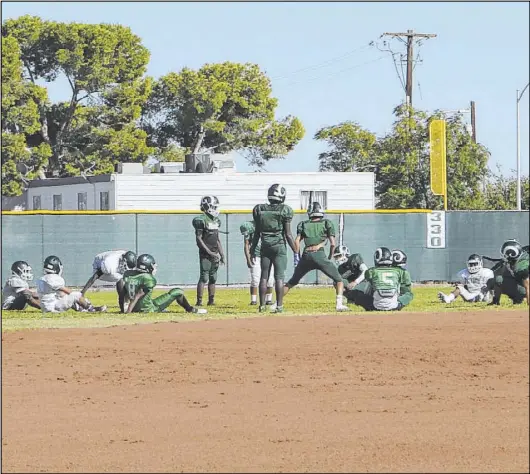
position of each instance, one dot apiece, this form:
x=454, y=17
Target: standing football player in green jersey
x=273, y=227
x=399, y=259
x=210, y=248
x=247, y=229
x=315, y=232
x=138, y=286
x=351, y=268
x=511, y=279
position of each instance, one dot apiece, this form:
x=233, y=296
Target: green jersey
x=315, y=232
x=352, y=268
x=519, y=269
x=387, y=279
x=209, y=228
x=249, y=236
x=140, y=281
x=269, y=220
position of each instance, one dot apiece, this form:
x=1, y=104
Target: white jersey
x=14, y=285
x=110, y=263
x=474, y=282
x=47, y=289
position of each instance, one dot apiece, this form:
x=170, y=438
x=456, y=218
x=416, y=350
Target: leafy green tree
x=104, y=66
x=20, y=116
x=501, y=192
x=401, y=161
x=220, y=107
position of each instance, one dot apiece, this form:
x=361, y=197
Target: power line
x=322, y=64
x=335, y=74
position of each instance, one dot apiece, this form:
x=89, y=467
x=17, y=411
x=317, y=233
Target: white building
x=135, y=189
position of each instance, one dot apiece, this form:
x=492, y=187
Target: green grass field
x=230, y=303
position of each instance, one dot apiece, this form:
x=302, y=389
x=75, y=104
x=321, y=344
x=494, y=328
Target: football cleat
x=341, y=308
x=199, y=311
x=442, y=297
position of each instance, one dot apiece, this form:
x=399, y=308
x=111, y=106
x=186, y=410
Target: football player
x=473, y=287
x=399, y=259
x=16, y=294
x=210, y=248
x=55, y=296
x=382, y=286
x=138, y=286
x=315, y=232
x=272, y=222
x=512, y=278
x=247, y=230
x=110, y=266
x=351, y=268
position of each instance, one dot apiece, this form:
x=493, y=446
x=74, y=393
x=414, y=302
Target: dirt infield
x=359, y=393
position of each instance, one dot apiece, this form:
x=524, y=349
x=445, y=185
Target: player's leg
x=279, y=262
x=270, y=286
x=204, y=268
x=305, y=265
x=327, y=267
x=506, y=284
x=122, y=295
x=78, y=302
x=451, y=296
x=212, y=280
x=265, y=263
x=21, y=300
x=362, y=296
x=255, y=275
x=175, y=294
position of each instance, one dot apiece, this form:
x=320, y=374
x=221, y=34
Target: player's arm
x=221, y=251
x=135, y=300
x=201, y=244
x=287, y=218
x=91, y=281
x=330, y=227
x=246, y=247
x=405, y=289
x=257, y=232
x=31, y=298
x=64, y=289
x=360, y=278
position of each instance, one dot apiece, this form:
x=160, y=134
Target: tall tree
x=223, y=107
x=20, y=116
x=104, y=66
x=401, y=162
x=501, y=191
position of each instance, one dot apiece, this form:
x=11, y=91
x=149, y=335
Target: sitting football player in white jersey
x=110, y=266
x=474, y=285
x=16, y=294
x=55, y=296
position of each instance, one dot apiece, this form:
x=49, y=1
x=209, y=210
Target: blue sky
x=481, y=53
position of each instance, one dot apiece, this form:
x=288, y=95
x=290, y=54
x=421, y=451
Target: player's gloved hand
x=296, y=259
x=221, y=259
x=216, y=257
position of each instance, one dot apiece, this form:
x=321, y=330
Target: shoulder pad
x=198, y=222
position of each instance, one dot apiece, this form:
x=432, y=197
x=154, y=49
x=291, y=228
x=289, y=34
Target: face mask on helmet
x=315, y=211
x=23, y=270
x=210, y=206
x=341, y=255
x=155, y=269
x=474, y=264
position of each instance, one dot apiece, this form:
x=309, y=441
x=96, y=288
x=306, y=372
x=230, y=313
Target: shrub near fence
x=437, y=243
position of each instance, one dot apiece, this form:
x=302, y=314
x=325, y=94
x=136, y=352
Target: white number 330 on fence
x=436, y=230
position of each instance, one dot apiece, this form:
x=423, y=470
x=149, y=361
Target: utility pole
x=410, y=35
x=473, y=124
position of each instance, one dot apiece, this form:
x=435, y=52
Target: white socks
x=339, y=300
x=254, y=298
x=268, y=297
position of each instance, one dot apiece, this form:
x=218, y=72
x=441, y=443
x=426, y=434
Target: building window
x=104, y=201
x=313, y=196
x=81, y=201
x=57, y=202
x=36, y=203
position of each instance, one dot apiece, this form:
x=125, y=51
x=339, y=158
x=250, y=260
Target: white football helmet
x=474, y=263
x=341, y=254
x=210, y=206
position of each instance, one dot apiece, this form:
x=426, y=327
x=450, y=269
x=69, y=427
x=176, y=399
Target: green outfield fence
x=77, y=236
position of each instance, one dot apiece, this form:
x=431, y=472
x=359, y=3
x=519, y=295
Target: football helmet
x=399, y=258
x=382, y=257
x=23, y=270
x=129, y=259
x=474, y=263
x=276, y=194
x=341, y=254
x=53, y=264
x=511, y=250
x=210, y=206
x=315, y=210
x=146, y=263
